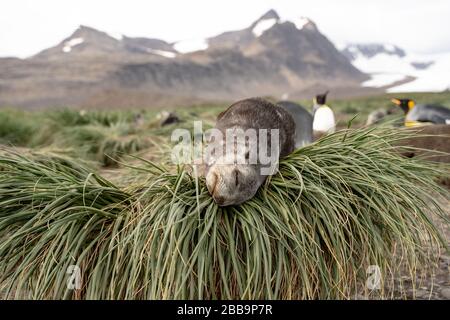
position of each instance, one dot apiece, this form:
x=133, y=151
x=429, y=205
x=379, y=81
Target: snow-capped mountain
x=370, y=50
x=272, y=56
x=395, y=70
x=242, y=38
x=87, y=42
x=431, y=73
x=152, y=46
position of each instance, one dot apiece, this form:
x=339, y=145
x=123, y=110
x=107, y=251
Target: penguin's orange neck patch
x=411, y=104
x=412, y=123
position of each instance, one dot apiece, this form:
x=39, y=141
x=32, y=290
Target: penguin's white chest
x=324, y=120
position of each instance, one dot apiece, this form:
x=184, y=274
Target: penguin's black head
x=322, y=98
x=405, y=104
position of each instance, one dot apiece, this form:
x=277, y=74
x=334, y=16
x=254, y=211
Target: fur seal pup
x=303, y=122
x=236, y=181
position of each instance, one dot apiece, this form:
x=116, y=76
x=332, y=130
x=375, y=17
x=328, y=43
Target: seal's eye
x=247, y=155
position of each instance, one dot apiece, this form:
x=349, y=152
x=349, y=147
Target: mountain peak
x=84, y=27
x=84, y=31
x=265, y=22
x=370, y=50
x=271, y=14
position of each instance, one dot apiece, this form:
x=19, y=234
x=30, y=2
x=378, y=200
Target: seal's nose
x=211, y=182
x=219, y=200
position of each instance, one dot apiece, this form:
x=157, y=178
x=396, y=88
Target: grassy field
x=92, y=134
x=95, y=189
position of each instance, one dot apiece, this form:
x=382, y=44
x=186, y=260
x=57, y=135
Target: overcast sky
x=28, y=26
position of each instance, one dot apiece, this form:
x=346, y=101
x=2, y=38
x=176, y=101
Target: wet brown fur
x=258, y=113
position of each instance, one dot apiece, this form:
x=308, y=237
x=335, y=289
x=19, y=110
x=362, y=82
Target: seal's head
x=231, y=179
x=249, y=138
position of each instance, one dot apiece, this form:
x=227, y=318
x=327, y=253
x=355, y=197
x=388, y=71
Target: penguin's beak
x=396, y=101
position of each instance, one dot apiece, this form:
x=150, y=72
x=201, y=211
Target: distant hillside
x=92, y=68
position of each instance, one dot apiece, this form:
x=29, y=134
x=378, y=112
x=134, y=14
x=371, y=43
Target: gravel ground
x=430, y=284
x=437, y=285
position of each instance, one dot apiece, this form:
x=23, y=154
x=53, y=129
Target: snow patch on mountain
x=163, y=53
x=68, y=45
x=435, y=78
x=379, y=80
x=301, y=22
x=386, y=69
x=389, y=47
x=383, y=63
x=191, y=45
x=263, y=26
x=388, y=64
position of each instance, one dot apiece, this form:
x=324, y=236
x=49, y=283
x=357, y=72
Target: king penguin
x=422, y=114
x=324, y=121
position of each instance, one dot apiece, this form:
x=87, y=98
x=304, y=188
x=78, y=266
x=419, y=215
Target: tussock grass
x=15, y=127
x=104, y=144
x=335, y=207
x=71, y=117
x=102, y=136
